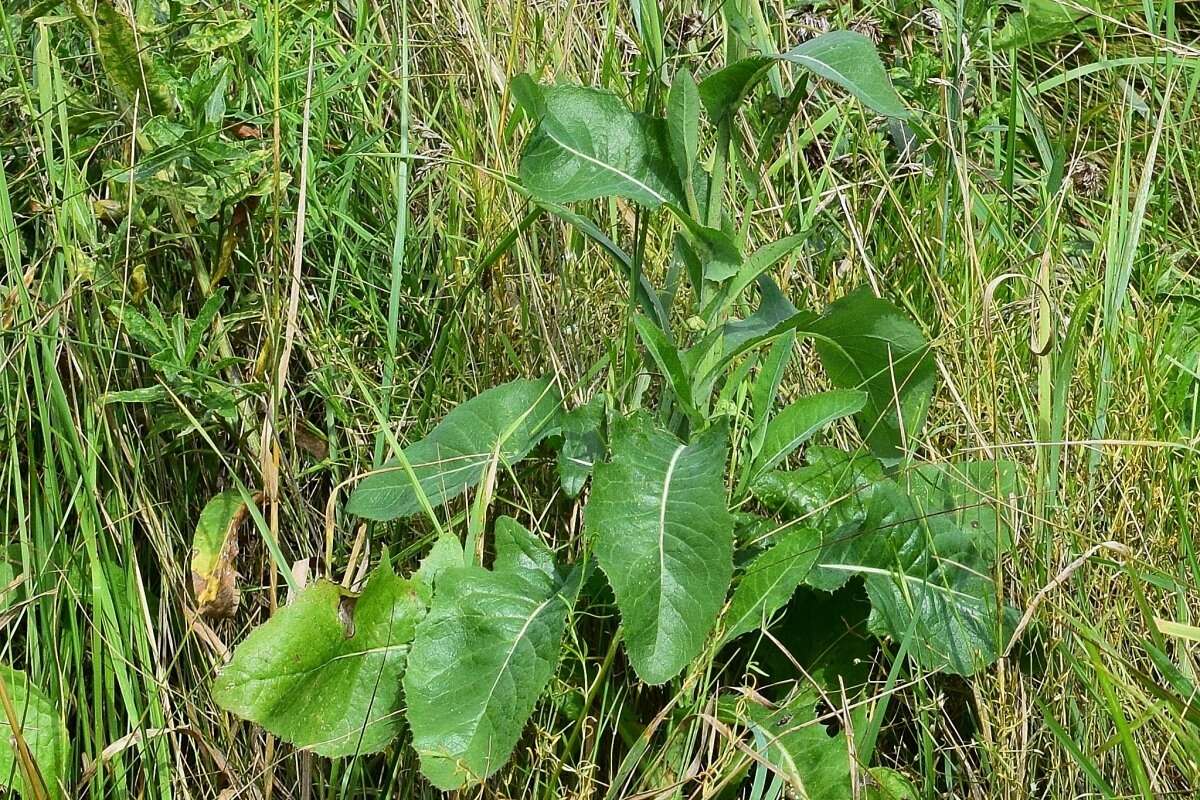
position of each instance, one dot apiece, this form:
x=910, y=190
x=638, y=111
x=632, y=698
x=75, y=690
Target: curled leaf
x=214, y=555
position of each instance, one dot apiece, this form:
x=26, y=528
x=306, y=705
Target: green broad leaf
x=1040, y=21
x=669, y=362
x=722, y=91
x=44, y=733
x=663, y=535
x=446, y=553
x=763, y=259
x=506, y=421
x=762, y=398
x=587, y=144
x=133, y=68
x=324, y=672
x=774, y=317
x=888, y=784
x=927, y=570
x=867, y=343
x=845, y=58
x=483, y=656
x=208, y=37
x=214, y=555
x=770, y=579
x=718, y=253
x=815, y=764
x=969, y=493
x=683, y=123
x=937, y=593
x=582, y=445
x=796, y=424
x=851, y=61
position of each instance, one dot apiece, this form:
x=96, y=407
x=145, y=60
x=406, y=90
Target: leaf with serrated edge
x=770, y=579
x=928, y=572
x=658, y=521
x=506, y=420
x=815, y=764
x=796, y=424
x=320, y=683
x=483, y=656
x=44, y=733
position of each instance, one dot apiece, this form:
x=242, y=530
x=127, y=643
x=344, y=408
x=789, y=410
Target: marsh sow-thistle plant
x=461, y=653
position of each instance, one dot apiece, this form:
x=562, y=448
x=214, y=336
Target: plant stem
x=590, y=698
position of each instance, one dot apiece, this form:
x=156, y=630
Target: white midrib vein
x=508, y=656
x=662, y=528
x=608, y=167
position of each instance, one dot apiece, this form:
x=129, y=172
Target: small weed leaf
x=43, y=732
x=683, y=124
x=212, y=36
x=505, y=421
x=321, y=683
x=483, y=657
x=658, y=521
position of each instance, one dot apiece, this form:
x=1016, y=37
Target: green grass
x=1069, y=166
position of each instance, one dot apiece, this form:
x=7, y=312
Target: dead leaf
x=214, y=555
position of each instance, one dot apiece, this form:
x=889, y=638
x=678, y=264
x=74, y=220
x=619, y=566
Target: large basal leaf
x=770, y=579
x=923, y=552
x=587, y=144
x=867, y=343
x=483, y=656
x=505, y=421
x=846, y=58
x=43, y=732
x=937, y=592
x=663, y=535
x=324, y=672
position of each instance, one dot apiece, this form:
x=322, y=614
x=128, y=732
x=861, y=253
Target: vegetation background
x=316, y=245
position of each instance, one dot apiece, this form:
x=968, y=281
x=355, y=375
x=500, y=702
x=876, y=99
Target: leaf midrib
x=609, y=167
x=662, y=540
